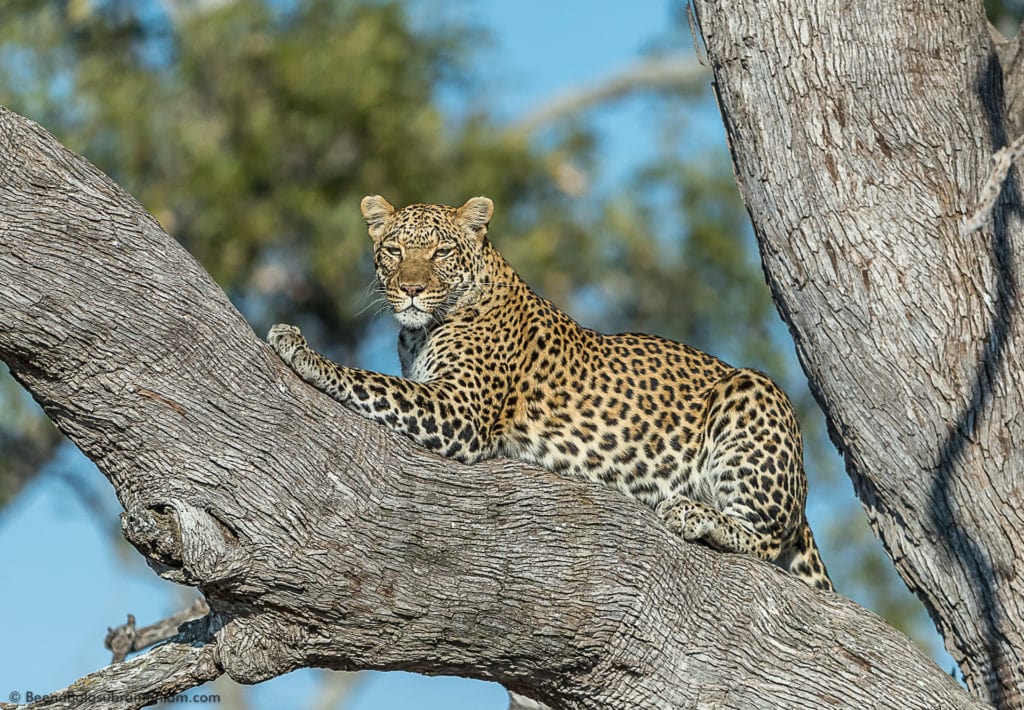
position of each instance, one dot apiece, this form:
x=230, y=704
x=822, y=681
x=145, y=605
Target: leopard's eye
x=393, y=252
x=442, y=252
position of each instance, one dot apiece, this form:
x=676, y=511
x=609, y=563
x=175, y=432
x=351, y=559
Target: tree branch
x=185, y=662
x=320, y=539
x=124, y=639
x=675, y=73
x=1003, y=160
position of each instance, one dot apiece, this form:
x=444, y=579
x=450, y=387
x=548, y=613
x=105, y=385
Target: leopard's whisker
x=379, y=301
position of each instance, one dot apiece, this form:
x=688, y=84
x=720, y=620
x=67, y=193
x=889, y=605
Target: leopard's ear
x=475, y=214
x=375, y=211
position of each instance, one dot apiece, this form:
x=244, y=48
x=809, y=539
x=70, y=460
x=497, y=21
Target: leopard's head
x=429, y=258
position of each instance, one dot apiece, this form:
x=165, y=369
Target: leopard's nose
x=412, y=289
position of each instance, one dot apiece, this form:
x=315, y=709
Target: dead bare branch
x=165, y=671
x=124, y=639
x=678, y=72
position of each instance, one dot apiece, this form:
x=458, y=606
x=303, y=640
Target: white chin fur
x=413, y=318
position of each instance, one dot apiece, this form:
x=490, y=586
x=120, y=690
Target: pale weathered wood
x=162, y=673
x=861, y=134
x=320, y=539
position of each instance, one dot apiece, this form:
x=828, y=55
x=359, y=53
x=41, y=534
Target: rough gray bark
x=322, y=540
x=861, y=134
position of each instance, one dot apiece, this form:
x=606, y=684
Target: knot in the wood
x=154, y=532
x=183, y=543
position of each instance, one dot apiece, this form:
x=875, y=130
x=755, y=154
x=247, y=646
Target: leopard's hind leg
x=749, y=488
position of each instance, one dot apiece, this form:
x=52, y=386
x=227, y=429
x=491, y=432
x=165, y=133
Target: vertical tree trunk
x=861, y=134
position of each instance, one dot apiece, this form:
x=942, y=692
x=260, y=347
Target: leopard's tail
x=804, y=561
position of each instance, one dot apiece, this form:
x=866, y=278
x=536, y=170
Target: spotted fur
x=491, y=369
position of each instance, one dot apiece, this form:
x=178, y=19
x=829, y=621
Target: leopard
x=491, y=369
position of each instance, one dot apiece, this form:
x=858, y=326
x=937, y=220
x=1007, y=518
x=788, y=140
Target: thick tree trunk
x=320, y=539
x=861, y=134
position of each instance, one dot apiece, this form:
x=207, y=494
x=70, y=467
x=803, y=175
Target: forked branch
x=185, y=662
x=126, y=638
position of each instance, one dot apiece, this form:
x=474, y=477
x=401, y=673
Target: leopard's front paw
x=286, y=340
x=690, y=520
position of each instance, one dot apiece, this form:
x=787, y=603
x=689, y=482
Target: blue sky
x=63, y=580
